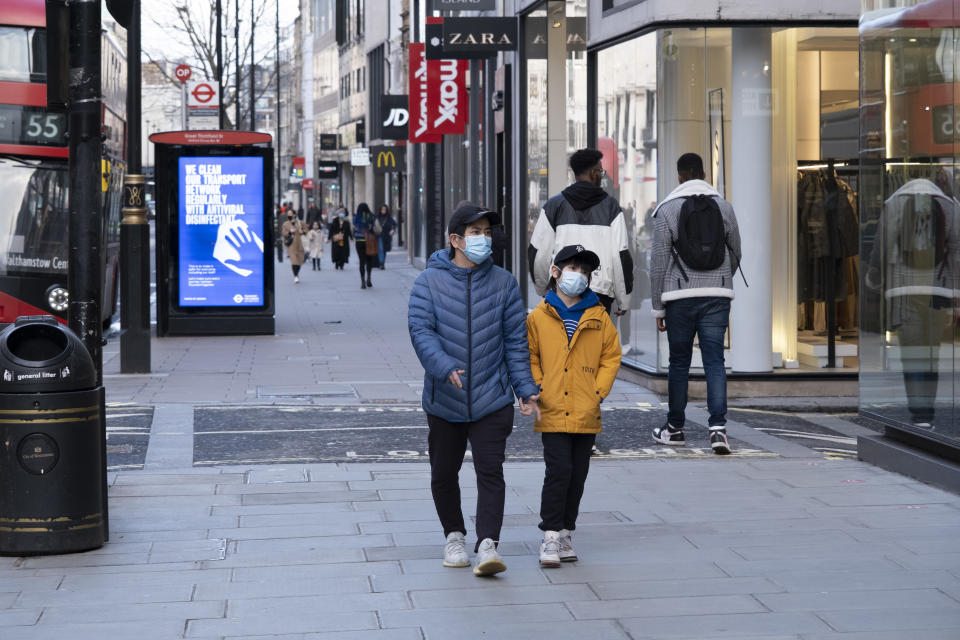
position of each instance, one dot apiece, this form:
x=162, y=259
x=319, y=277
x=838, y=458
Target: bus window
x=35, y=222
x=23, y=55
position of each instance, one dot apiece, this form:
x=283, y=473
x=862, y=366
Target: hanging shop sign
x=394, y=117
x=298, y=170
x=328, y=169
x=537, y=31
x=308, y=184
x=328, y=141
x=478, y=37
x=419, y=113
x=360, y=157
x=447, y=108
x=463, y=5
x=433, y=38
x=388, y=159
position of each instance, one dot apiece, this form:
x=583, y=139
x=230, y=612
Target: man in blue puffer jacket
x=468, y=327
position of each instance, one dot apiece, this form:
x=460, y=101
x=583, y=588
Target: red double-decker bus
x=34, y=197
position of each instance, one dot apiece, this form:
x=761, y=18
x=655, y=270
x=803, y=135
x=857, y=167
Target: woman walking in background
x=340, y=235
x=292, y=233
x=365, y=241
x=385, y=235
x=315, y=242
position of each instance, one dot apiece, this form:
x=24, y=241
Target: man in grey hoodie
x=688, y=302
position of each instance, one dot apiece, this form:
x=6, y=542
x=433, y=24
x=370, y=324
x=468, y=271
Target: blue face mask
x=572, y=283
x=341, y=215
x=478, y=248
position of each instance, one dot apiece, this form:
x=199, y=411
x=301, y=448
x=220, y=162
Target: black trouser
x=606, y=301
x=567, y=456
x=316, y=264
x=488, y=442
x=296, y=269
x=366, y=262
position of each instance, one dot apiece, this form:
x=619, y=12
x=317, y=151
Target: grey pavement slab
x=372, y=634
x=555, y=630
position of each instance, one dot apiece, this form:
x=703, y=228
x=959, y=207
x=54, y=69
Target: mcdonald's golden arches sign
x=388, y=159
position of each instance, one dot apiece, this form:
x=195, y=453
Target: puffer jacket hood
x=469, y=319
x=576, y=375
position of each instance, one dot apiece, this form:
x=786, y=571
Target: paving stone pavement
x=787, y=546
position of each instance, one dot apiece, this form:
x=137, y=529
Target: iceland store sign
x=463, y=5
x=221, y=258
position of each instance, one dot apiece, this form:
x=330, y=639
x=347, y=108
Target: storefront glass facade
x=671, y=91
x=910, y=226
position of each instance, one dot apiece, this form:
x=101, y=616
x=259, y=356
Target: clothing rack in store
x=834, y=168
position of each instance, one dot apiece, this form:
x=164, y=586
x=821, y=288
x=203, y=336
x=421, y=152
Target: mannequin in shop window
x=915, y=263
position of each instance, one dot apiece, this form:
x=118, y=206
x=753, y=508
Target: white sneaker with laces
x=567, y=554
x=489, y=561
x=550, y=549
x=455, y=551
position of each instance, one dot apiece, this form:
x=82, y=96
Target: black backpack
x=701, y=237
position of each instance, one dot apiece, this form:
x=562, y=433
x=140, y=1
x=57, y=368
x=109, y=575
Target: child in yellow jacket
x=574, y=358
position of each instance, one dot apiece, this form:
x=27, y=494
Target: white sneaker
x=489, y=561
x=567, y=554
x=455, y=551
x=550, y=549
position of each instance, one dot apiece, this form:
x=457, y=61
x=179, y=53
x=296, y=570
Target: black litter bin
x=51, y=441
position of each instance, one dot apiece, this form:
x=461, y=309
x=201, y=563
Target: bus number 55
x=45, y=125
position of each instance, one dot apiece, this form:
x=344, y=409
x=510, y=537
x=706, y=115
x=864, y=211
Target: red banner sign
x=419, y=123
x=447, y=96
x=308, y=184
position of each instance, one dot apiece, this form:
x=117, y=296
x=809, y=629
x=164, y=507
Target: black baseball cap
x=467, y=213
x=577, y=251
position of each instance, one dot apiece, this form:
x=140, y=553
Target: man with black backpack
x=696, y=251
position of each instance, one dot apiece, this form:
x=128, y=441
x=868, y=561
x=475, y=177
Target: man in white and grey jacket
x=584, y=214
x=689, y=303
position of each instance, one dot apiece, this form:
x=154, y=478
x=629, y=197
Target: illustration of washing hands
x=236, y=243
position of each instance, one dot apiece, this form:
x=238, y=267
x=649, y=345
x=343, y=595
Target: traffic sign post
x=203, y=104
x=183, y=73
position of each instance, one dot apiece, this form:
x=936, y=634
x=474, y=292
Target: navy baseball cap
x=577, y=250
x=468, y=213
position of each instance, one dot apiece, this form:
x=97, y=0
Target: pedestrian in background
x=585, y=214
x=466, y=321
x=387, y=227
x=340, y=235
x=292, y=233
x=366, y=242
x=278, y=220
x=696, y=251
x=315, y=241
x=574, y=358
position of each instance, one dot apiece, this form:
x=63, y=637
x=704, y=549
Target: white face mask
x=572, y=283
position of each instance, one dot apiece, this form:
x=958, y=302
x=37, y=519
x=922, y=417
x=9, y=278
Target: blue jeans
x=380, y=252
x=706, y=318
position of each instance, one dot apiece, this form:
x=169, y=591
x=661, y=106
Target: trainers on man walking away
x=567, y=554
x=455, y=551
x=718, y=441
x=489, y=561
x=669, y=434
x=550, y=549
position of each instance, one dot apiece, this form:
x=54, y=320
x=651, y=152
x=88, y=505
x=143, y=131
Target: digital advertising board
x=214, y=234
x=220, y=227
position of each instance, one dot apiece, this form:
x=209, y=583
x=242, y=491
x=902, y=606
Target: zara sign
x=478, y=37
